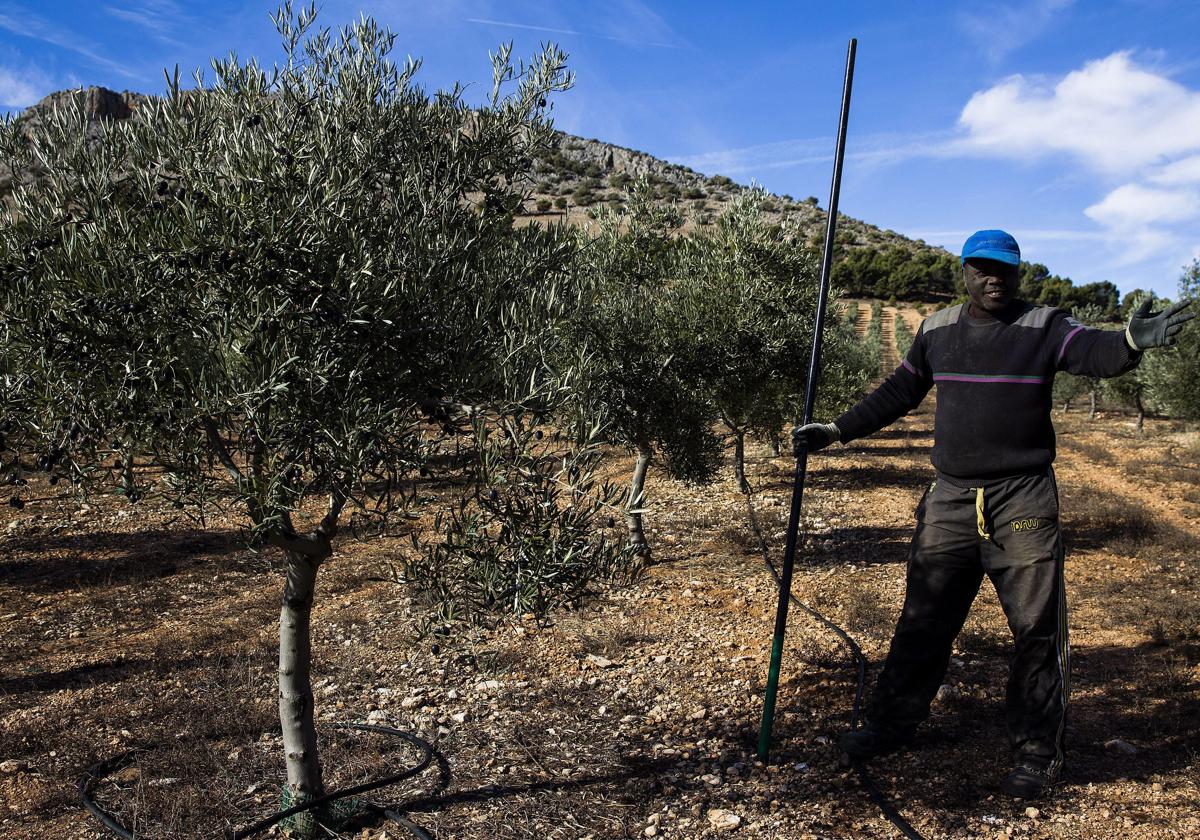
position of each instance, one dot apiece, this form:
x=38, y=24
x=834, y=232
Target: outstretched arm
x=897, y=395
x=1085, y=351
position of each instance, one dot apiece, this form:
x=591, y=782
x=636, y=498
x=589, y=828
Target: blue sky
x=1074, y=125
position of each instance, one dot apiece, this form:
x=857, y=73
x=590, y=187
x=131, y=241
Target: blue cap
x=992, y=245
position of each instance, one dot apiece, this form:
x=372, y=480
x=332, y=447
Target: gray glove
x=814, y=436
x=1157, y=330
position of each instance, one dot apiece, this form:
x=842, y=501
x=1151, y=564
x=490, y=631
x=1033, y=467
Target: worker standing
x=992, y=507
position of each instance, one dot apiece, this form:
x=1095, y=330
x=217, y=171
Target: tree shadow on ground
x=859, y=448
x=53, y=563
x=862, y=543
x=894, y=432
x=634, y=767
x=881, y=475
x=101, y=673
x=1139, y=694
x=1093, y=520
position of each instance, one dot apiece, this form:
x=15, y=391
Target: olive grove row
x=303, y=295
x=1166, y=382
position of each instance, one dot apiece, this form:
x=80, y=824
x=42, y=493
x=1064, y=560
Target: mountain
x=576, y=174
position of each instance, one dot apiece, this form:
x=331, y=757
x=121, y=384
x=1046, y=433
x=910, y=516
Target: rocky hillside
x=573, y=177
x=578, y=174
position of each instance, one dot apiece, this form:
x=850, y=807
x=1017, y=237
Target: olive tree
x=532, y=533
x=1068, y=388
x=299, y=275
x=639, y=359
x=1172, y=374
x=750, y=289
x=1130, y=388
x=1091, y=315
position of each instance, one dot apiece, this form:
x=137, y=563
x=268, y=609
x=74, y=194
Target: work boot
x=871, y=740
x=1030, y=779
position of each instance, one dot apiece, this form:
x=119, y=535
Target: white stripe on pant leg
x=1064, y=653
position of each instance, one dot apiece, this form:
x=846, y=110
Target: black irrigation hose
x=860, y=664
x=111, y=765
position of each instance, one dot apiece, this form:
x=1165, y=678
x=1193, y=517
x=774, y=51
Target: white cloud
x=863, y=149
x=618, y=28
x=1136, y=130
x=999, y=29
x=1121, y=124
x=28, y=25
x=1111, y=114
x=160, y=18
x=1183, y=171
x=22, y=88
x=1133, y=205
x=634, y=22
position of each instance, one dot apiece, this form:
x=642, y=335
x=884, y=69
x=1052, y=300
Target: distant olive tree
x=639, y=361
x=750, y=290
x=1068, y=388
x=1172, y=374
x=1092, y=315
x=749, y=293
x=1131, y=389
x=300, y=275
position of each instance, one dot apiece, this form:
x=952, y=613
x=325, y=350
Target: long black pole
x=810, y=398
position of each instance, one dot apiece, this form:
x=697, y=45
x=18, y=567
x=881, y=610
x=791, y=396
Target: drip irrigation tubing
x=860, y=665
x=111, y=765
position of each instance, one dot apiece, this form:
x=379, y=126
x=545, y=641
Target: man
x=993, y=505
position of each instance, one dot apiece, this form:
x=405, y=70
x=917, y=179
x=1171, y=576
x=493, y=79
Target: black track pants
x=1008, y=530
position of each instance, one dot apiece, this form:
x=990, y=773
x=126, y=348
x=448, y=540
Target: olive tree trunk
x=637, y=496
x=1092, y=410
x=1141, y=410
x=295, y=683
x=739, y=460
x=304, y=554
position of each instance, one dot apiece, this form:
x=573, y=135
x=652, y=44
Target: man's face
x=991, y=284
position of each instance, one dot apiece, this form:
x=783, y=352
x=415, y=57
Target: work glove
x=1157, y=330
x=814, y=436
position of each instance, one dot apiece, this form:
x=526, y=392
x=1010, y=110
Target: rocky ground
x=124, y=627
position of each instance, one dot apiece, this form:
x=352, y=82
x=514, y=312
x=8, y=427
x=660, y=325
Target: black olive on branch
x=161, y=188
x=16, y=502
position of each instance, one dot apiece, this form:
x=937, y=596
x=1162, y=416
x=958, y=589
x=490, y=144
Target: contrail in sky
x=570, y=32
